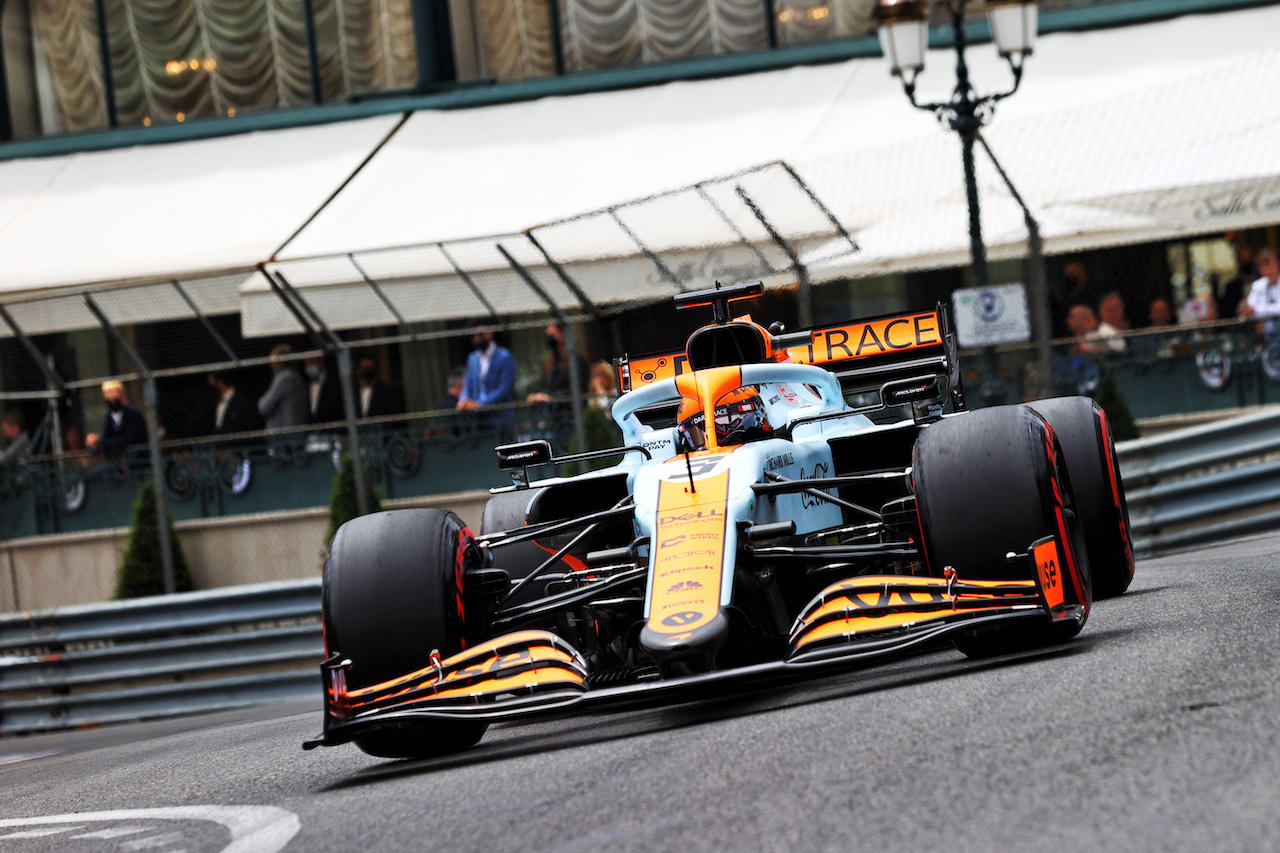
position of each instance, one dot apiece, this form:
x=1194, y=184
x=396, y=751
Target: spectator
x=234, y=411
x=285, y=403
x=490, y=380
x=1081, y=320
x=17, y=452
x=324, y=391
x=1160, y=313
x=1084, y=324
x=376, y=398
x=1111, y=312
x=556, y=369
x=1199, y=309
x=123, y=427
x=1075, y=290
x=602, y=391
x=454, y=392
x=1232, y=294
x=1263, y=300
x=73, y=449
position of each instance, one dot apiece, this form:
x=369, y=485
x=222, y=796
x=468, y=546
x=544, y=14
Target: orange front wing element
x=520, y=663
x=873, y=606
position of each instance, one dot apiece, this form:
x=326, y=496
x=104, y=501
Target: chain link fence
x=195, y=357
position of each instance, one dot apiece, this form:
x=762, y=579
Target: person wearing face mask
x=374, y=398
x=324, y=392
x=123, y=427
x=491, y=380
x=556, y=369
x=233, y=412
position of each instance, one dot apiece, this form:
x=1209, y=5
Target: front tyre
x=392, y=593
x=1085, y=435
x=989, y=482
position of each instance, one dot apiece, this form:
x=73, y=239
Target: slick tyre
x=392, y=593
x=504, y=512
x=1090, y=451
x=987, y=483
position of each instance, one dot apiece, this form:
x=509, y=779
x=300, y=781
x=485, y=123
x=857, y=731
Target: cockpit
x=739, y=416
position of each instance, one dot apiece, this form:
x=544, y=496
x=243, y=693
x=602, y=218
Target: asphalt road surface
x=1157, y=729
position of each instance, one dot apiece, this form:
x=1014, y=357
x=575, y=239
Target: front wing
x=856, y=622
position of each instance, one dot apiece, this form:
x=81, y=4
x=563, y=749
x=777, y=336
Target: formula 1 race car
x=757, y=528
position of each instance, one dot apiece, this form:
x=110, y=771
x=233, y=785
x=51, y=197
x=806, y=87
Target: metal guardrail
x=251, y=645
x=158, y=657
x=1203, y=484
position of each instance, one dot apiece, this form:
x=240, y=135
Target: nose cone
x=687, y=651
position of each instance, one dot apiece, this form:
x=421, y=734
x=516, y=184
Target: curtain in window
x=801, y=21
x=515, y=39
x=177, y=59
x=612, y=34
x=516, y=42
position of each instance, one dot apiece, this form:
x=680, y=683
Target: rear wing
x=864, y=354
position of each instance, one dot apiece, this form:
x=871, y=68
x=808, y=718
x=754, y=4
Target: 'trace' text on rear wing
x=863, y=353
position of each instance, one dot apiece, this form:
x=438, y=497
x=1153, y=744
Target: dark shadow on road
x=1134, y=593
x=600, y=726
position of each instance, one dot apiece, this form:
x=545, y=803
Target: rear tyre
x=506, y=511
x=1085, y=435
x=989, y=482
x=392, y=593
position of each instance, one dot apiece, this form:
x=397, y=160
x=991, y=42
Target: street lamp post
x=903, y=30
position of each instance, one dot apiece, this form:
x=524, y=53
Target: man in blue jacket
x=491, y=381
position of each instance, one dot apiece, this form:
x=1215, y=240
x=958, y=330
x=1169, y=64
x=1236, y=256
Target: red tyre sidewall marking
x=1125, y=536
x=465, y=540
x=1068, y=555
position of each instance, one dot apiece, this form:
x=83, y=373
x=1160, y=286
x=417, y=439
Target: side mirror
x=917, y=390
x=517, y=458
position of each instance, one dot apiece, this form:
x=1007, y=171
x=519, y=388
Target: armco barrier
x=251, y=645
x=1203, y=484
x=161, y=656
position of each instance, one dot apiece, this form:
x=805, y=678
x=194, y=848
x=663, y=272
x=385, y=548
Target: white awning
x=450, y=175
x=1094, y=108
x=165, y=210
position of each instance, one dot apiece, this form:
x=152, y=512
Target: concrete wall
x=52, y=571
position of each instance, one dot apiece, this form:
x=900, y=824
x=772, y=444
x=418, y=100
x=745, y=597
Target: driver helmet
x=691, y=421
x=741, y=417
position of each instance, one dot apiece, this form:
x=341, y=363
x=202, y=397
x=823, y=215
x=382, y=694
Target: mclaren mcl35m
x=757, y=528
